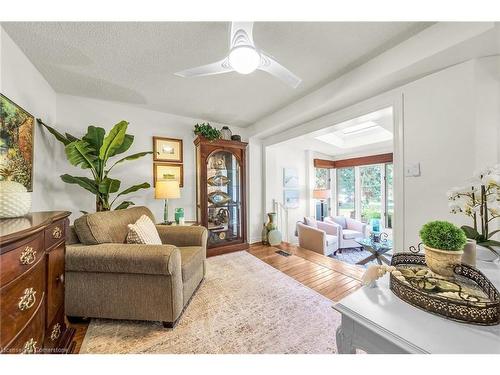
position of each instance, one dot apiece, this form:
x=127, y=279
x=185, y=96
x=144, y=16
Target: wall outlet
x=412, y=170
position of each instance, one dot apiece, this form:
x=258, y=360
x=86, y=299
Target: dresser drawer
x=20, y=299
x=30, y=339
x=55, y=331
x=17, y=261
x=55, y=233
x=55, y=281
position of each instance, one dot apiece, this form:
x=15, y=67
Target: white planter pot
x=15, y=201
x=486, y=255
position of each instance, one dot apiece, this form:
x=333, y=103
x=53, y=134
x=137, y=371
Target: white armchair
x=348, y=229
x=318, y=236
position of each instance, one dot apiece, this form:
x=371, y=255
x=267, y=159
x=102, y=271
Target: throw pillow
x=143, y=231
x=310, y=221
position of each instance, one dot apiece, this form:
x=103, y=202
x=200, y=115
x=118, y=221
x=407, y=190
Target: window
x=322, y=178
x=322, y=181
x=389, y=193
x=366, y=192
x=371, y=192
x=346, y=186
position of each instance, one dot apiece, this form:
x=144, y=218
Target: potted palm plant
x=94, y=153
x=443, y=244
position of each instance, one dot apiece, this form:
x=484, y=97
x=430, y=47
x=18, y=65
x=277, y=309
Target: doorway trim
x=394, y=99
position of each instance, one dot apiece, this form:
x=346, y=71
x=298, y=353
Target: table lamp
x=167, y=189
x=322, y=195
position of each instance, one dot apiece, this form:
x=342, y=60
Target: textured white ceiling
x=134, y=62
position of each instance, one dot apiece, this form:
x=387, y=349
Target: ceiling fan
x=244, y=58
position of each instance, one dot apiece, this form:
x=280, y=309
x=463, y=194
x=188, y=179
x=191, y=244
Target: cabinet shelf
x=211, y=205
x=230, y=234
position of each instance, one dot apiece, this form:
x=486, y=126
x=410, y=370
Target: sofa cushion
x=331, y=240
x=108, y=226
x=143, y=231
x=310, y=221
x=340, y=220
x=124, y=259
x=192, y=258
x=349, y=234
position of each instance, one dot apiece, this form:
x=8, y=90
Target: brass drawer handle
x=56, y=233
x=28, y=256
x=29, y=347
x=27, y=300
x=56, y=332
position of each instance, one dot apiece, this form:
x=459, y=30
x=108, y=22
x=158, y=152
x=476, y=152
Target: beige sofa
x=107, y=278
x=318, y=236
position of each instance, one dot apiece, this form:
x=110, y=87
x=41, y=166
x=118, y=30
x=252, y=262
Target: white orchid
x=451, y=194
x=479, y=199
x=494, y=208
x=490, y=198
x=492, y=180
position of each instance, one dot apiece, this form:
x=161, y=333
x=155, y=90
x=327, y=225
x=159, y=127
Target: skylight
x=359, y=128
x=356, y=135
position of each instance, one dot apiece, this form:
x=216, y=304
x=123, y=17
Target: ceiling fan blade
x=241, y=34
x=270, y=65
x=218, y=67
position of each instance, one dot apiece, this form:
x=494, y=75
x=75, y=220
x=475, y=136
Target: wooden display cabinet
x=221, y=193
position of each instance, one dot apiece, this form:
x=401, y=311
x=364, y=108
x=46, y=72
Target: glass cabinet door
x=224, y=199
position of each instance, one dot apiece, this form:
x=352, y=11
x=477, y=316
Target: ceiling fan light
x=244, y=59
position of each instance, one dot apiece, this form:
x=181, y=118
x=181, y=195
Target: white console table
x=376, y=321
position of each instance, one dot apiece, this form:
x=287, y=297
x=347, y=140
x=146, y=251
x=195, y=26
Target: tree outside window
x=322, y=178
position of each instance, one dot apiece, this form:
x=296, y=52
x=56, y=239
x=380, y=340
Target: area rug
x=243, y=306
x=354, y=255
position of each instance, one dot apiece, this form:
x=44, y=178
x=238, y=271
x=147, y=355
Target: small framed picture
x=168, y=171
x=290, y=178
x=167, y=149
x=291, y=198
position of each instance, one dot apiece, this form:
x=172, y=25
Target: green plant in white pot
x=443, y=243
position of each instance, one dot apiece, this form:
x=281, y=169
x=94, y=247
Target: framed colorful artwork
x=167, y=150
x=16, y=143
x=168, y=171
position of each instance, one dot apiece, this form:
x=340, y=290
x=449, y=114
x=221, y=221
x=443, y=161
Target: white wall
x=439, y=133
x=487, y=96
x=278, y=157
x=74, y=114
x=22, y=83
x=255, y=191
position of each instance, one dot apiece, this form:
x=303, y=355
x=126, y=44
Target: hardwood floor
x=329, y=277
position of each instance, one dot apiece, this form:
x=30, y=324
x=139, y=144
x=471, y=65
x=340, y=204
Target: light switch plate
x=412, y=170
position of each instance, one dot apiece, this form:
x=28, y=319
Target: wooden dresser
x=32, y=250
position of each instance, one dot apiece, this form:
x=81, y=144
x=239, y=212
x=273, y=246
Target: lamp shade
x=167, y=189
x=321, y=194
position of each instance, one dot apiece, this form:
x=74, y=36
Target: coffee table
x=378, y=249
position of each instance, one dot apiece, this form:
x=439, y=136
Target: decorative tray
x=468, y=297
